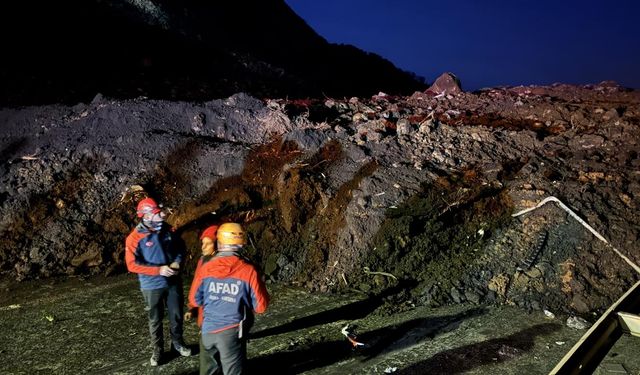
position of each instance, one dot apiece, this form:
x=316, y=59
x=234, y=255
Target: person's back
x=228, y=285
x=229, y=289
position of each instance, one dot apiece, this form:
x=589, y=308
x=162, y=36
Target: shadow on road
x=465, y=358
x=350, y=311
x=394, y=337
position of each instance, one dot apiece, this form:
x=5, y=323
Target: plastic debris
x=351, y=337
x=390, y=370
x=10, y=307
x=549, y=314
x=369, y=272
x=577, y=322
x=30, y=157
x=559, y=342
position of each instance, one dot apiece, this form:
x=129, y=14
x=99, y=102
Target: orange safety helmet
x=231, y=234
x=147, y=206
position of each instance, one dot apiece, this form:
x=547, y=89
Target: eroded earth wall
x=353, y=193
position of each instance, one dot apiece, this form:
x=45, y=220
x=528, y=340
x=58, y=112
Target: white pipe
x=584, y=223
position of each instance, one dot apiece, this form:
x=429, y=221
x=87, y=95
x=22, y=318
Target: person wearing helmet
x=155, y=255
x=208, y=239
x=229, y=289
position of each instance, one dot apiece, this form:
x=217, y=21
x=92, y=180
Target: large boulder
x=447, y=83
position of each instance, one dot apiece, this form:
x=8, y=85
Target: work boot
x=183, y=350
x=155, y=357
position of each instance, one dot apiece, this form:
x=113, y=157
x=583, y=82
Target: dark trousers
x=208, y=363
x=155, y=301
x=227, y=348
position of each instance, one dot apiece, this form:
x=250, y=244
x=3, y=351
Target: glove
x=166, y=271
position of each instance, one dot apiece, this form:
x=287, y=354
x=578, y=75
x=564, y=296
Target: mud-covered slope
x=364, y=193
x=69, y=51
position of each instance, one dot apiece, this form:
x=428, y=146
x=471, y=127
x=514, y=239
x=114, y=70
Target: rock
x=306, y=139
x=98, y=99
x=198, y=121
x=282, y=261
x=499, y=284
x=427, y=126
x=447, y=83
x=271, y=265
x=587, y=141
x=359, y=117
x=90, y=258
x=578, y=118
x=362, y=201
x=364, y=287
x=491, y=296
x=608, y=83
x=472, y=296
x=611, y=114
x=403, y=127
x=576, y=322
x=374, y=136
x=579, y=304
x=535, y=305
x=534, y=273
x=456, y=296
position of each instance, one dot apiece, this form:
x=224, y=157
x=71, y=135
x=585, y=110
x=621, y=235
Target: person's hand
x=187, y=316
x=166, y=271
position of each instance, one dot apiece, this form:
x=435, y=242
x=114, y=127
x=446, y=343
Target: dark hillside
x=188, y=50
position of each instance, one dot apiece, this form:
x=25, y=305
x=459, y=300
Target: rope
x=584, y=223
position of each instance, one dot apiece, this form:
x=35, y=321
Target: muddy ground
x=48, y=327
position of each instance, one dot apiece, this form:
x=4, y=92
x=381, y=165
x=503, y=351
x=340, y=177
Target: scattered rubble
x=417, y=190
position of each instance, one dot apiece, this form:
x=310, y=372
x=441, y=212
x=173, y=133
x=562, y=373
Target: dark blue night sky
x=493, y=42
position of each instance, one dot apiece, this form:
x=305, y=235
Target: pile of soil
x=361, y=193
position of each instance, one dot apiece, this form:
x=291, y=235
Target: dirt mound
x=358, y=193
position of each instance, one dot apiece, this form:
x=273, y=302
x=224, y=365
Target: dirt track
x=98, y=326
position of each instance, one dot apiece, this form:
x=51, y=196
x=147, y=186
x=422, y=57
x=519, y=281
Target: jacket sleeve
x=196, y=292
x=259, y=295
x=194, y=288
x=130, y=255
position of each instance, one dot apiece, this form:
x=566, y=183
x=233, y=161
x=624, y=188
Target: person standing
x=230, y=290
x=208, y=239
x=154, y=254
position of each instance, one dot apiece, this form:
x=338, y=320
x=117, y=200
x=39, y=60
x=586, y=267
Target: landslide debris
x=362, y=193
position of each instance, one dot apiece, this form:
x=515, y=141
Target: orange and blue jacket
x=224, y=287
x=199, y=310
x=146, y=251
